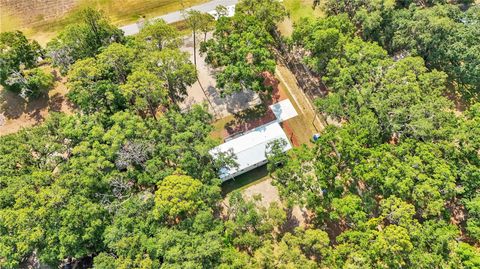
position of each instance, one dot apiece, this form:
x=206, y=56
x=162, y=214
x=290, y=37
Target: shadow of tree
x=249, y=119
x=12, y=106
x=55, y=102
x=291, y=223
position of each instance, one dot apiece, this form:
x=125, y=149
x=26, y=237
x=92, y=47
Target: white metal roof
x=283, y=110
x=251, y=147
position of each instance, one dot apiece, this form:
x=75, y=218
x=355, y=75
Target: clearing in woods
x=297, y=9
x=16, y=113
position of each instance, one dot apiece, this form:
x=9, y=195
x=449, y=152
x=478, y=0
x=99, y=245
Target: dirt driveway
x=206, y=88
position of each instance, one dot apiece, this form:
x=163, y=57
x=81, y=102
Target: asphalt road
x=176, y=16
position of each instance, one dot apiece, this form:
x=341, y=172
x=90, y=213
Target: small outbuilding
x=283, y=110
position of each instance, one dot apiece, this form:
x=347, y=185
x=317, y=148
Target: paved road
x=134, y=28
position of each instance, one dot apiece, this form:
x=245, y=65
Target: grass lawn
x=301, y=8
x=219, y=128
x=245, y=180
x=297, y=9
x=306, y=123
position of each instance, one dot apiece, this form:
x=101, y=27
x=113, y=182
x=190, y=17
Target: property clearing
x=297, y=9
x=296, y=216
x=16, y=113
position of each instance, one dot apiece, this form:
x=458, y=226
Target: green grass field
x=124, y=12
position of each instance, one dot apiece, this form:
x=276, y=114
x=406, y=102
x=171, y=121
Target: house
x=250, y=149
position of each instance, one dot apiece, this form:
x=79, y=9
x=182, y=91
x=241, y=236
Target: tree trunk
x=194, y=48
x=153, y=111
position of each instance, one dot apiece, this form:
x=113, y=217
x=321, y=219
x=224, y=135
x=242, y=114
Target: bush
x=30, y=83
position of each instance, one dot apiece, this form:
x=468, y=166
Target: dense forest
x=127, y=181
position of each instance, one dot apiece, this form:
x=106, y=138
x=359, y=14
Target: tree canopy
x=19, y=71
x=83, y=39
x=242, y=46
x=127, y=180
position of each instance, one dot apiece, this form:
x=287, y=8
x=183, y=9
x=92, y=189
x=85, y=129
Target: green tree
x=83, y=39
x=268, y=12
x=174, y=68
x=240, y=46
x=116, y=60
x=207, y=24
x=30, y=83
x=348, y=209
x=391, y=248
x=159, y=35
x=195, y=20
x=145, y=92
x=91, y=90
x=324, y=38
x=469, y=255
x=16, y=53
x=179, y=197
x=473, y=222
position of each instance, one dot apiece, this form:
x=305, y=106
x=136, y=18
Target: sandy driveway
x=220, y=107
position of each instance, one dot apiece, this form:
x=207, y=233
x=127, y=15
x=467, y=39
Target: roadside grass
x=246, y=180
x=119, y=12
x=8, y=22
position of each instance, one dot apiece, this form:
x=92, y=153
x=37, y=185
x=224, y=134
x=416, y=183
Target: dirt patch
x=205, y=89
x=265, y=188
x=457, y=99
x=296, y=216
x=16, y=113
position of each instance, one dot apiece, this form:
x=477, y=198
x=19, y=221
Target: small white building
x=283, y=110
x=250, y=149
x=230, y=12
